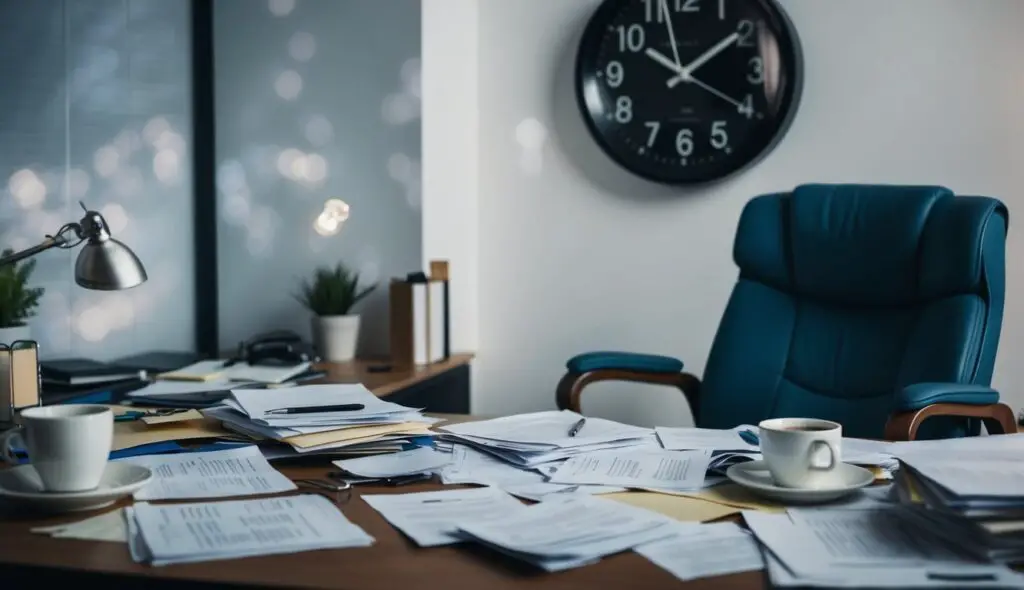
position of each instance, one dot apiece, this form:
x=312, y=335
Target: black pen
x=577, y=427
x=317, y=409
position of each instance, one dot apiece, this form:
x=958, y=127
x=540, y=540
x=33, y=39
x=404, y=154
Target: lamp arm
x=60, y=240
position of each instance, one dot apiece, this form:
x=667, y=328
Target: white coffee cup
x=802, y=452
x=68, y=445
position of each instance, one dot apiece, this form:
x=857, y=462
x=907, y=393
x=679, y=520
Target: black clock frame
x=790, y=50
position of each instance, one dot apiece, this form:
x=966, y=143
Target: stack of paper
x=872, y=548
x=421, y=461
x=705, y=551
x=643, y=468
x=573, y=532
x=976, y=499
x=188, y=533
x=533, y=439
x=305, y=419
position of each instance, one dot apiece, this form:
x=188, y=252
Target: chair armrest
x=623, y=361
x=920, y=395
x=591, y=367
x=920, y=401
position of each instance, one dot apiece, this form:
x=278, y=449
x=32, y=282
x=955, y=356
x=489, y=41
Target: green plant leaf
x=18, y=302
x=332, y=291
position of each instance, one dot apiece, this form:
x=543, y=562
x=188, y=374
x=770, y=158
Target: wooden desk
x=392, y=563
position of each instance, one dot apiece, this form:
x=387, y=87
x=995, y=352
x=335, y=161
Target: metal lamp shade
x=108, y=265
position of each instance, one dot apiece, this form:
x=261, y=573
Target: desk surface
x=396, y=379
x=393, y=562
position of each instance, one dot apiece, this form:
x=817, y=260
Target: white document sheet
x=421, y=460
x=683, y=439
x=255, y=403
x=428, y=517
x=981, y=476
x=469, y=465
x=580, y=527
x=242, y=471
x=205, y=531
x=642, y=469
x=549, y=429
x=812, y=542
x=541, y=491
x=705, y=551
x=109, y=526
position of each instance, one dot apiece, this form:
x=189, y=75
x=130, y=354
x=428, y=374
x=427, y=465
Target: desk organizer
x=20, y=385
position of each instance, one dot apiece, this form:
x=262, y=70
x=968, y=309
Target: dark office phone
x=280, y=347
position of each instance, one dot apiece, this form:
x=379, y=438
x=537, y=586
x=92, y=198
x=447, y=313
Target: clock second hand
x=685, y=76
x=716, y=92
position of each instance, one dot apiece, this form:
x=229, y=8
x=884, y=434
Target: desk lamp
x=104, y=264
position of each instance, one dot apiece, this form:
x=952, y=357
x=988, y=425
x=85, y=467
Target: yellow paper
x=730, y=494
x=136, y=433
x=677, y=507
x=176, y=417
x=360, y=434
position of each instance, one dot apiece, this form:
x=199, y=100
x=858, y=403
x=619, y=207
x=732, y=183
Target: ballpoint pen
x=750, y=438
x=577, y=427
x=316, y=409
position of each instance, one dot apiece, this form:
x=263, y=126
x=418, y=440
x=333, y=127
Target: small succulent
x=332, y=291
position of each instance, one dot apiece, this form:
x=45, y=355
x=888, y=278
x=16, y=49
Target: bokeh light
x=288, y=85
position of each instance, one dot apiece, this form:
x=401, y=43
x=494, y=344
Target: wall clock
x=688, y=91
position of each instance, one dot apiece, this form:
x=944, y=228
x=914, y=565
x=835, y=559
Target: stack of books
x=973, y=499
x=333, y=419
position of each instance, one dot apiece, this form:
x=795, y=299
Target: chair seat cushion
x=623, y=361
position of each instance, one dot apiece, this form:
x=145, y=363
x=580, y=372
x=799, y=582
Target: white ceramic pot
x=335, y=337
x=9, y=335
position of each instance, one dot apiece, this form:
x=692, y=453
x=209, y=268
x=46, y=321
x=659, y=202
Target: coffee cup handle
x=8, y=441
x=832, y=455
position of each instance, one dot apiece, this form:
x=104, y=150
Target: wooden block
x=439, y=270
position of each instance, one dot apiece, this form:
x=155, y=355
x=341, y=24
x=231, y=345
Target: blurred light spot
x=231, y=176
x=27, y=188
x=91, y=324
x=170, y=140
x=531, y=134
x=288, y=85
x=78, y=183
x=288, y=161
x=128, y=183
x=399, y=167
x=116, y=217
x=330, y=220
x=302, y=46
x=411, y=73
x=236, y=206
x=319, y=131
x=315, y=168
x=281, y=7
x=399, y=109
x=261, y=231
x=414, y=193
x=119, y=310
x=154, y=129
x=126, y=143
x=166, y=166
x=106, y=161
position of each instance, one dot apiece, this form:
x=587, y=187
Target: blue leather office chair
x=874, y=306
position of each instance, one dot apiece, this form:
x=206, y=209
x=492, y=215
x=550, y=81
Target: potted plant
x=17, y=301
x=330, y=295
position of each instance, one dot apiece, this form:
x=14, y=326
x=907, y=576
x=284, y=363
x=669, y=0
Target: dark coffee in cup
x=807, y=428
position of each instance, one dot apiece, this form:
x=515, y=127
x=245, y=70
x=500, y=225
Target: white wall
x=575, y=254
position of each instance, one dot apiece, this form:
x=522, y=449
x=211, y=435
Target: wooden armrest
x=998, y=419
x=570, y=388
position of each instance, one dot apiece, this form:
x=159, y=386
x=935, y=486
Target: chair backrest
x=846, y=294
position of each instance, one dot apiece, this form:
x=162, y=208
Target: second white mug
x=802, y=452
x=67, y=445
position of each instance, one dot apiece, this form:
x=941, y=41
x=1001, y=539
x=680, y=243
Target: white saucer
x=21, y=484
x=754, y=476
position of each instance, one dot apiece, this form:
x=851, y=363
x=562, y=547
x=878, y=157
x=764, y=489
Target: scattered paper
x=682, y=439
x=542, y=490
x=469, y=465
x=206, y=531
x=109, y=526
x=674, y=506
x=643, y=469
x=575, y=531
x=705, y=551
x=241, y=471
x=183, y=416
x=421, y=460
x=428, y=517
